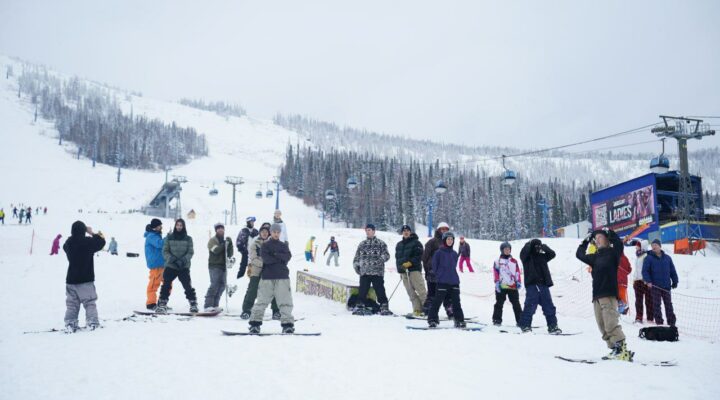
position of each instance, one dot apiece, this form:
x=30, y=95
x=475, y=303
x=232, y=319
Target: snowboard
x=79, y=329
x=543, y=333
x=264, y=319
x=427, y=328
x=184, y=314
x=232, y=333
x=424, y=318
x=670, y=363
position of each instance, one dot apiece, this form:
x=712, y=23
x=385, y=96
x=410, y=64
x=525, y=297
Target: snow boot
x=460, y=324
x=245, y=315
x=93, y=326
x=432, y=323
x=162, y=307
x=360, y=309
x=276, y=316
x=385, y=309
x=254, y=327
x=497, y=322
x=209, y=309
x=418, y=313
x=620, y=352
x=526, y=329
x=71, y=328
x=288, y=328
x=193, y=306
x=151, y=307
x=554, y=330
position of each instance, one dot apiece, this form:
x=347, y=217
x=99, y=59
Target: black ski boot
x=526, y=329
x=193, y=306
x=162, y=307
x=385, y=309
x=432, y=323
x=151, y=306
x=460, y=324
x=254, y=327
x=288, y=329
x=71, y=328
x=554, y=330
x=360, y=310
x=497, y=322
x=245, y=315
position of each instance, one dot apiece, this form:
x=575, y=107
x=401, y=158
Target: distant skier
x=45, y=211
x=642, y=292
x=408, y=260
x=277, y=219
x=246, y=236
x=661, y=277
x=255, y=268
x=28, y=215
x=369, y=263
x=2, y=216
x=334, y=251
x=220, y=249
x=604, y=270
x=80, y=279
x=464, y=251
x=177, y=251
x=309, y=250
x=624, y=270
x=274, y=283
x=15, y=212
x=506, y=272
x=444, y=264
x=55, y=249
x=154, y=260
x=535, y=257
x=22, y=215
x=431, y=246
x=113, y=247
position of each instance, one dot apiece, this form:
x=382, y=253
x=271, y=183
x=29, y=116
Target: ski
x=427, y=328
x=670, y=363
x=232, y=333
x=183, y=314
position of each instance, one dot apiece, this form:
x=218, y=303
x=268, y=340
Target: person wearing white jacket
x=642, y=292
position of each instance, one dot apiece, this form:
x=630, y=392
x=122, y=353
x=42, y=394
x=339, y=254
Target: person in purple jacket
x=660, y=276
x=444, y=263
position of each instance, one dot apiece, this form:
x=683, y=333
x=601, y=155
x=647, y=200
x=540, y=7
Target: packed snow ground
x=355, y=358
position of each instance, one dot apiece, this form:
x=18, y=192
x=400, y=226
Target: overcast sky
x=526, y=74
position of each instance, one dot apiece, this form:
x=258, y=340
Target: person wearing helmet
x=506, y=271
x=444, y=263
x=246, y=236
x=431, y=246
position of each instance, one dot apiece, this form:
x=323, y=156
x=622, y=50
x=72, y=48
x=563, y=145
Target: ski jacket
x=624, y=269
x=444, y=264
x=244, y=239
x=409, y=250
x=660, y=270
x=506, y=270
x=309, y=246
x=535, y=264
x=112, y=247
x=217, y=258
x=256, y=261
x=370, y=257
x=638, y=270
x=56, y=244
x=178, y=251
x=154, y=250
x=275, y=256
x=431, y=246
x=604, y=263
x=333, y=247
x=464, y=249
x=80, y=251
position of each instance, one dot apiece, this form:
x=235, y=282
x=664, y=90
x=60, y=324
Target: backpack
x=660, y=333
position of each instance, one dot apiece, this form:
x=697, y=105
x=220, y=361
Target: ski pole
x=393, y=292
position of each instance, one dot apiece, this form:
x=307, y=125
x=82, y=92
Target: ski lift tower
x=234, y=181
x=180, y=179
x=682, y=130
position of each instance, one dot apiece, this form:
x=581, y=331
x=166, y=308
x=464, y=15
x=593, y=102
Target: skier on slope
x=55, y=245
x=80, y=279
x=113, y=247
x=22, y=215
x=604, y=270
x=177, y=251
x=28, y=215
x=408, y=255
x=220, y=249
x=431, y=246
x=444, y=264
x=154, y=261
x=255, y=268
x=274, y=283
x=246, y=236
x=464, y=251
x=2, y=216
x=369, y=262
x=535, y=257
x=334, y=251
x=506, y=273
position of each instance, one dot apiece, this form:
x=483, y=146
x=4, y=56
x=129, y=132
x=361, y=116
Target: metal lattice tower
x=179, y=179
x=234, y=181
x=682, y=130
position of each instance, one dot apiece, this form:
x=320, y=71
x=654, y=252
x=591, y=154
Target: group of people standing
x=22, y=214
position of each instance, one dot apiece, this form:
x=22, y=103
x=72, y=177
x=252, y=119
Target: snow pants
x=431, y=290
x=444, y=292
x=514, y=296
x=642, y=292
x=608, y=320
x=282, y=292
x=77, y=294
x=465, y=260
x=538, y=295
x=415, y=287
x=252, y=293
x=183, y=275
x=333, y=256
x=218, y=281
x=660, y=295
x=378, y=283
x=155, y=279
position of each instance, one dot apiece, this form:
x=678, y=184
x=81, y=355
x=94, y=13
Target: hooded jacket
x=216, y=258
x=275, y=257
x=444, y=263
x=431, y=246
x=604, y=262
x=178, y=249
x=154, y=250
x=535, y=264
x=411, y=250
x=506, y=270
x=80, y=251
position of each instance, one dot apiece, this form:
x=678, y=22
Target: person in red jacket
x=624, y=269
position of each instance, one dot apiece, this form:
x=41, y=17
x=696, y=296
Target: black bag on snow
x=660, y=333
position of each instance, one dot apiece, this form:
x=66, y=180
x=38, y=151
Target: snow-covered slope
x=356, y=358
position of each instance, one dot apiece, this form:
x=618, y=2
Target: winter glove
x=407, y=264
x=674, y=285
x=497, y=286
x=518, y=285
x=180, y=263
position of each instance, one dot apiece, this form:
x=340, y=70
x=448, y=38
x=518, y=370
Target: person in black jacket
x=604, y=269
x=80, y=279
x=535, y=257
x=408, y=255
x=431, y=246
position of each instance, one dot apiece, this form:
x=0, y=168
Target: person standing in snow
x=220, y=249
x=80, y=279
x=309, y=249
x=177, y=251
x=408, y=260
x=113, y=247
x=535, y=257
x=45, y=211
x=15, y=212
x=660, y=276
x=274, y=283
x=369, y=262
x=334, y=251
x=2, y=216
x=22, y=215
x=624, y=270
x=55, y=249
x=246, y=236
x=506, y=272
x=28, y=215
x=444, y=264
x=277, y=219
x=154, y=261
x=255, y=268
x=464, y=251
x=604, y=264
x=642, y=292
x=431, y=246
